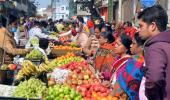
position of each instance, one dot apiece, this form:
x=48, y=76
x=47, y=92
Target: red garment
x=90, y=24
x=130, y=31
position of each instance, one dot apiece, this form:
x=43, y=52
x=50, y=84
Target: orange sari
x=104, y=58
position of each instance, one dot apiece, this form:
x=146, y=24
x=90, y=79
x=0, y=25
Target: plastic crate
x=6, y=77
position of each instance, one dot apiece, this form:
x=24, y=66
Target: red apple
x=12, y=66
x=88, y=94
x=104, y=94
x=102, y=89
x=88, y=72
x=85, y=82
x=80, y=76
x=78, y=71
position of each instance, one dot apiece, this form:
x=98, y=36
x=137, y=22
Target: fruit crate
x=6, y=77
x=61, y=52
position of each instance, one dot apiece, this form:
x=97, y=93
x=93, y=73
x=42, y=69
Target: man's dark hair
x=129, y=24
x=138, y=39
x=81, y=19
x=126, y=41
x=50, y=20
x=97, y=26
x=155, y=14
x=60, y=20
x=44, y=24
x=43, y=43
x=37, y=23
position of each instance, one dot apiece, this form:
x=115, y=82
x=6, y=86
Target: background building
x=11, y=10
x=61, y=9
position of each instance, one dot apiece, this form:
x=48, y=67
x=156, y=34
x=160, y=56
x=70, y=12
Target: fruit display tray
x=14, y=98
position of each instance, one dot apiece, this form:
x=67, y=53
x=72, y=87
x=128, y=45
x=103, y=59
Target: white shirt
x=36, y=31
x=66, y=34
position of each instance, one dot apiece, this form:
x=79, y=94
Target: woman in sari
x=104, y=56
x=137, y=51
x=137, y=48
x=127, y=74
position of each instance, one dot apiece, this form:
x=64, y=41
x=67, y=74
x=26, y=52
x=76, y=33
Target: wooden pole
x=110, y=10
x=120, y=11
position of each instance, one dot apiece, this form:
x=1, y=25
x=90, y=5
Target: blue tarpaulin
x=147, y=3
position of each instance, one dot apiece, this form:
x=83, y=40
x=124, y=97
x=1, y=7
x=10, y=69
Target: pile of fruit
x=64, y=60
x=62, y=92
x=97, y=96
x=35, y=54
x=30, y=69
x=64, y=38
x=33, y=88
x=94, y=92
x=35, y=41
x=8, y=67
x=80, y=74
x=67, y=48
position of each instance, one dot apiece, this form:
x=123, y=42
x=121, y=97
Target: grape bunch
x=32, y=88
x=35, y=54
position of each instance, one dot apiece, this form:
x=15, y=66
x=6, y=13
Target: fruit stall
x=67, y=77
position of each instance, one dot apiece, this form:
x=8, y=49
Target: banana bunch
x=43, y=68
x=20, y=75
x=28, y=69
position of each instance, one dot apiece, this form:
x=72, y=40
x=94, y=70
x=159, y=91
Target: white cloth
x=142, y=90
x=36, y=31
x=65, y=34
x=17, y=36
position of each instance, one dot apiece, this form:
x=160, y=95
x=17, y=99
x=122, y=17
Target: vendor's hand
x=28, y=50
x=106, y=83
x=100, y=76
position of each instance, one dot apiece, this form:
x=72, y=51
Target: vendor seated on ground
x=8, y=48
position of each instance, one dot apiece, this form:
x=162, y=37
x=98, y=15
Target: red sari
x=104, y=58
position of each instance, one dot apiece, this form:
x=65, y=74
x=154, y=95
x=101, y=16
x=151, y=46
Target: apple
x=51, y=82
x=86, y=77
x=78, y=71
x=102, y=89
x=12, y=66
x=80, y=82
x=85, y=82
x=80, y=76
x=88, y=94
x=88, y=72
x=104, y=94
x=74, y=76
